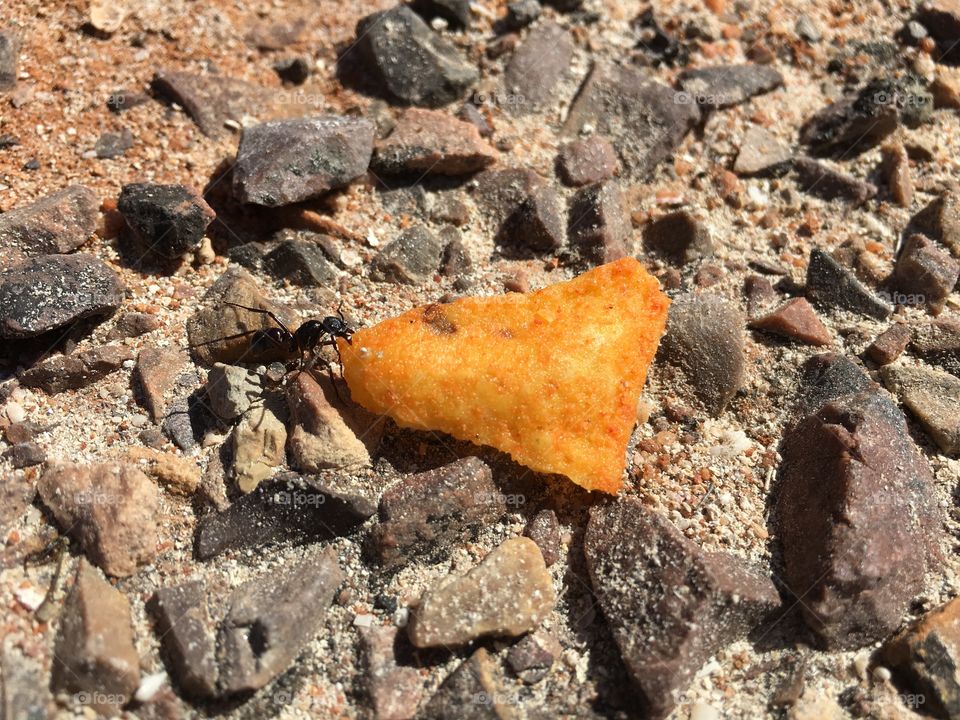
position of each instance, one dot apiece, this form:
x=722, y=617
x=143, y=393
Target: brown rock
x=476, y=690
x=95, y=655
x=429, y=511
x=57, y=223
x=9, y=59
x=536, y=67
x=940, y=221
x=933, y=397
x=532, y=657
x=433, y=143
x=156, y=376
x=544, y=530
x=277, y=35
x=599, y=227
x=210, y=100
x=858, y=518
x=938, y=342
x=186, y=634
x=259, y=445
x=889, y=344
x=896, y=168
x=816, y=178
x=71, y=372
x=111, y=509
x=760, y=295
x=924, y=270
x=133, y=324
x=508, y=594
x=795, y=319
x=946, y=87
x=669, y=604
x=394, y=689
x=680, y=236
x=583, y=162
x=760, y=153
x=179, y=474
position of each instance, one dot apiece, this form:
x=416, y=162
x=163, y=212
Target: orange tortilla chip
x=552, y=378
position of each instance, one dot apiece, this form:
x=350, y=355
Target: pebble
x=156, y=376
x=622, y=103
x=830, y=284
x=932, y=396
x=508, y=594
x=300, y=262
x=49, y=291
x=394, y=689
x=537, y=65
x=411, y=259
x=524, y=211
x=807, y=29
x=186, y=633
x=455, y=261
x=761, y=153
x=456, y=12
x=270, y=34
x=938, y=343
x=818, y=179
x=210, y=99
x=287, y=161
x=521, y=13
x=293, y=70
x=896, y=169
x=9, y=59
x=681, y=236
x=259, y=446
x=940, y=221
x=111, y=509
x=796, y=320
x=26, y=454
x=132, y=324
x=826, y=377
x=414, y=65
x=433, y=143
x=55, y=224
x=583, y=162
x=180, y=475
x=670, y=605
x=71, y=372
x=600, y=229
x=703, y=321
x=723, y=86
x=122, y=100
x=166, y=220
x=544, y=530
x=847, y=469
x=925, y=271
x=113, y=145
x=94, y=653
x=231, y=390
x=889, y=344
x=533, y=656
x=427, y=513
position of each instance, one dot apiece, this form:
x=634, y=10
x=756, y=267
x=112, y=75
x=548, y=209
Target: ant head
x=337, y=327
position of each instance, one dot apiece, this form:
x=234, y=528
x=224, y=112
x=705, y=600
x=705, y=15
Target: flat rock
x=523, y=209
x=57, y=223
x=113, y=145
x=413, y=64
x=187, y=635
x=395, y=690
x=926, y=271
x=940, y=221
x=411, y=259
x=537, y=65
x=156, y=375
x=796, y=320
x=723, y=86
x=669, y=604
x=133, y=324
x=761, y=153
x=178, y=474
x=71, y=372
x=110, y=508
x=259, y=443
x=832, y=285
x=544, y=530
x=285, y=161
x=476, y=690
x=231, y=390
x=428, y=512
x=889, y=344
x=858, y=519
x=209, y=99
x=508, y=594
x=94, y=653
x=640, y=116
x=583, y=162
x=271, y=620
x=680, y=236
x=932, y=397
x=896, y=170
x=9, y=60
x=599, y=228
x=166, y=220
x=49, y=291
x=818, y=179
x=277, y=35
x=327, y=432
x=704, y=341
x=938, y=343
x=430, y=142
x=301, y=262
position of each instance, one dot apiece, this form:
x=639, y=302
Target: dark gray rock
x=640, y=116
x=583, y=162
x=113, y=145
x=50, y=291
x=932, y=397
x=57, y=223
x=456, y=259
x=521, y=13
x=122, y=100
x=187, y=636
x=532, y=657
x=415, y=65
x=669, y=604
x=476, y=690
x=455, y=12
x=9, y=60
x=941, y=18
x=926, y=271
x=823, y=181
x=210, y=100
x=411, y=259
x=286, y=161
x=599, y=227
x=166, y=220
x=293, y=70
x=826, y=377
x=427, y=512
x=704, y=340
x=541, y=61
x=300, y=262
x=26, y=454
x=524, y=210
x=722, y=86
x=829, y=284
x=70, y=372
x=680, y=236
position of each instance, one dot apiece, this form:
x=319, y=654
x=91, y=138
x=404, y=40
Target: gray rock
x=599, y=228
x=456, y=259
x=926, y=271
x=532, y=657
x=524, y=210
x=680, y=236
x=938, y=342
x=209, y=99
x=57, y=223
x=394, y=689
x=24, y=691
x=49, y=291
x=70, y=372
x=415, y=65
x=541, y=61
x=827, y=377
x=583, y=162
x=231, y=390
x=286, y=161
x=411, y=259
x=829, y=284
x=723, y=86
x=761, y=153
x=26, y=454
x=823, y=181
x=932, y=397
x=9, y=60
x=430, y=142
x=521, y=13
x=187, y=635
x=476, y=690
x=113, y=145
x=167, y=220
x=301, y=262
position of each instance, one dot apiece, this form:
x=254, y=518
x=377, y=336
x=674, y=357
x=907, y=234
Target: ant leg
x=248, y=333
x=261, y=311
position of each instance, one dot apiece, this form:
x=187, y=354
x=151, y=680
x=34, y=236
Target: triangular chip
x=552, y=378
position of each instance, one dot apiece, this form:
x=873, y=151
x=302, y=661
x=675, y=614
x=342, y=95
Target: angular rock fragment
x=832, y=285
x=818, y=179
x=394, y=689
x=94, y=654
x=415, y=65
x=57, y=223
x=939, y=343
x=259, y=443
x=231, y=390
x=532, y=657
x=26, y=454
x=583, y=162
x=429, y=511
x=926, y=271
x=167, y=220
x=761, y=153
x=187, y=636
x=70, y=372
x=599, y=227
x=641, y=117
x=536, y=67
x=544, y=530
x=669, y=604
x=698, y=322
x=179, y=474
x=933, y=397
x=156, y=377
x=795, y=319
x=889, y=344
x=858, y=518
x=940, y=221
x=521, y=13
x=476, y=690
x=896, y=168
x=210, y=100
x=680, y=236
x=432, y=143
x=9, y=60
x=285, y=161
x=509, y=371
x=301, y=262
x=827, y=377
x=111, y=509
x=49, y=291
x=524, y=210
x=272, y=618
x=508, y=594
x=411, y=259
x=723, y=86
x=113, y=145
x=133, y=324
